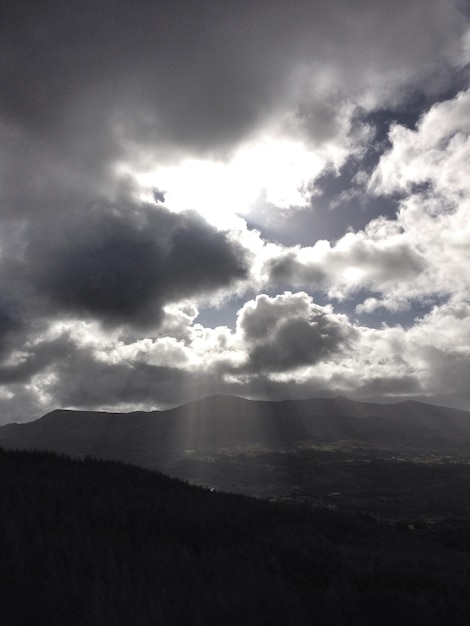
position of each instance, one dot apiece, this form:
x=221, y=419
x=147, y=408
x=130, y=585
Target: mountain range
x=384, y=458
x=222, y=424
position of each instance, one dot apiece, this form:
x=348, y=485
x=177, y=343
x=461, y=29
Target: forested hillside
x=88, y=542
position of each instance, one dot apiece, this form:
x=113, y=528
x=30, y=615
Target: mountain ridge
x=220, y=421
x=339, y=400
x=262, y=448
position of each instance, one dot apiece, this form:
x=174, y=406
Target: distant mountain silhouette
x=222, y=424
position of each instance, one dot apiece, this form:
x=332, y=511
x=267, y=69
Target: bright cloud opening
x=279, y=169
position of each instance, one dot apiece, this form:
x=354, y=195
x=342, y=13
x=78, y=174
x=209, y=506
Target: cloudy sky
x=261, y=198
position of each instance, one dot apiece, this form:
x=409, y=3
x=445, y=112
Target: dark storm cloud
x=289, y=331
x=121, y=264
x=12, y=329
x=9, y=320
x=36, y=360
x=297, y=342
x=86, y=382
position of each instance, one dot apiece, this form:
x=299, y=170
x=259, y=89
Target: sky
x=268, y=199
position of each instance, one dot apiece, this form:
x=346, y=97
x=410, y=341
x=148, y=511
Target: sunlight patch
x=218, y=190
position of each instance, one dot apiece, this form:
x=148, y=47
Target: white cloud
x=425, y=252
x=437, y=153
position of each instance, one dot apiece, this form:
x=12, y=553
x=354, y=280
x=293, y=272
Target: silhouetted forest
x=89, y=542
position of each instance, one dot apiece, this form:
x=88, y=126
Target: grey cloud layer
x=89, y=77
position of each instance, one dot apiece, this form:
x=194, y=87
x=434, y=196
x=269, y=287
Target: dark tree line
x=88, y=542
